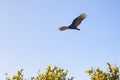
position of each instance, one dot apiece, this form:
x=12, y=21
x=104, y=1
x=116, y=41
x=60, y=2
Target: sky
x=30, y=39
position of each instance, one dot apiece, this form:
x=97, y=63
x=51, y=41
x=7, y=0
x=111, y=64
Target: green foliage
x=17, y=76
x=112, y=74
x=54, y=73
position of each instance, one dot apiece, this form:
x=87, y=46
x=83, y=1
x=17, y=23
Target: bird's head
x=63, y=28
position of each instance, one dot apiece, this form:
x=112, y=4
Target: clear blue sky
x=30, y=39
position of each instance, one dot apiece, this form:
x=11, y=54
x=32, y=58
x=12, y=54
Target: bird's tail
x=63, y=28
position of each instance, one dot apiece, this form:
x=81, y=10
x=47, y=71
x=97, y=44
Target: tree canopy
x=55, y=73
x=98, y=74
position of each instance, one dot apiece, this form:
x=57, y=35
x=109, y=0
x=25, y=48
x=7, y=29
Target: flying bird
x=76, y=22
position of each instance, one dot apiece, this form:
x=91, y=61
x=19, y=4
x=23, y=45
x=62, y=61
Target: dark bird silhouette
x=76, y=22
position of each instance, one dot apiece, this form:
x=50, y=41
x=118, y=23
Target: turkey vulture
x=76, y=22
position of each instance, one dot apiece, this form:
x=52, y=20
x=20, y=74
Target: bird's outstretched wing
x=76, y=22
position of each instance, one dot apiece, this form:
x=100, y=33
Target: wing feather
x=76, y=22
